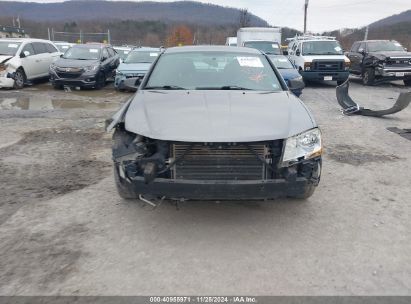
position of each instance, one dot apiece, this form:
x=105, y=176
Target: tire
x=308, y=191
x=368, y=77
x=407, y=82
x=124, y=189
x=100, y=81
x=57, y=86
x=19, y=79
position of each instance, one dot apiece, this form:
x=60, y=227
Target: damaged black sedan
x=215, y=123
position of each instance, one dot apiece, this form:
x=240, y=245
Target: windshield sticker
x=282, y=60
x=252, y=62
x=338, y=49
x=93, y=50
x=13, y=46
x=275, y=46
x=153, y=54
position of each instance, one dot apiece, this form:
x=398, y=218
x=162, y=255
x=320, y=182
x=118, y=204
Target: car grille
x=400, y=62
x=69, y=72
x=220, y=161
x=325, y=65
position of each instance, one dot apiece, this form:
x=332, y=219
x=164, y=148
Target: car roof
x=213, y=48
x=138, y=49
x=25, y=39
x=376, y=40
x=90, y=45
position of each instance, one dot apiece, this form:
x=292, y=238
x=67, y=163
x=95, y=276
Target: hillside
x=394, y=19
x=186, y=11
x=396, y=27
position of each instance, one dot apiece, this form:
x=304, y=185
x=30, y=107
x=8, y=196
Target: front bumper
x=220, y=190
x=84, y=80
x=394, y=73
x=6, y=82
x=319, y=76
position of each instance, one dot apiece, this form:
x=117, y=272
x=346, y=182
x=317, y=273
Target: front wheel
x=368, y=77
x=407, y=82
x=100, y=81
x=308, y=191
x=19, y=79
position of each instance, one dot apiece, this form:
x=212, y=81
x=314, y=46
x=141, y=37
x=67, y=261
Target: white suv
x=319, y=58
x=25, y=59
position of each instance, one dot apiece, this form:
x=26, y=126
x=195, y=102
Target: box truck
x=265, y=39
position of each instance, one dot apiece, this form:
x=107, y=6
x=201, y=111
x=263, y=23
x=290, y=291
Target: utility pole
x=305, y=15
x=366, y=33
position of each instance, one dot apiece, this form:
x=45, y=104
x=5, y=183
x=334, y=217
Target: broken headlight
x=302, y=146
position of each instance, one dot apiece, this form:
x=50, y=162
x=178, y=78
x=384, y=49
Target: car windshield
x=281, y=62
x=322, y=48
x=82, y=53
x=387, y=46
x=141, y=57
x=123, y=53
x=213, y=71
x=267, y=47
x=9, y=48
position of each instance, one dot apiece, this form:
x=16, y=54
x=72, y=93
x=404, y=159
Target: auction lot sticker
x=253, y=62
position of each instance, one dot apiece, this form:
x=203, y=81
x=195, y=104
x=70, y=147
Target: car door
x=52, y=55
x=114, y=61
x=355, y=58
x=105, y=62
x=42, y=59
x=28, y=61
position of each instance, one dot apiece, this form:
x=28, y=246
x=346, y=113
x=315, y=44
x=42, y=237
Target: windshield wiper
x=229, y=87
x=165, y=87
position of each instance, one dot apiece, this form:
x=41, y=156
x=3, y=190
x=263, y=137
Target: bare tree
x=244, y=18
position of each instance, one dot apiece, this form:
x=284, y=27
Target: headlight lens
x=118, y=72
x=307, y=66
x=305, y=145
x=91, y=68
x=299, y=78
x=52, y=66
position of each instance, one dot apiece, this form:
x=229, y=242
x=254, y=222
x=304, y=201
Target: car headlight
x=52, y=66
x=118, y=73
x=299, y=78
x=307, y=66
x=302, y=146
x=91, y=68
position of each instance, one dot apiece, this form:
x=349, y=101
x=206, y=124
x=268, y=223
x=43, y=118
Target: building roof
x=12, y=29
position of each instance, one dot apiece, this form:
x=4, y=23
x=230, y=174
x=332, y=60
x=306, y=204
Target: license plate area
x=327, y=78
x=399, y=74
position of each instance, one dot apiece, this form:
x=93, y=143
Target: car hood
x=217, y=116
x=384, y=55
x=72, y=63
x=4, y=58
x=289, y=73
x=134, y=67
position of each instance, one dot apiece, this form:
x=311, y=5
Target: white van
x=319, y=58
x=25, y=59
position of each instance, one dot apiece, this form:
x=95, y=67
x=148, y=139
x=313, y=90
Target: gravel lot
x=64, y=230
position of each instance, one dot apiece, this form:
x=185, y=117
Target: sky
x=323, y=15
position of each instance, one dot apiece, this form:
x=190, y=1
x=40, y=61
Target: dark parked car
x=215, y=122
x=380, y=60
x=85, y=66
x=287, y=70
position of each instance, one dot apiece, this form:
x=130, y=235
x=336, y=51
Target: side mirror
x=298, y=52
x=296, y=84
x=61, y=55
x=285, y=52
x=24, y=54
x=405, y=49
x=361, y=50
